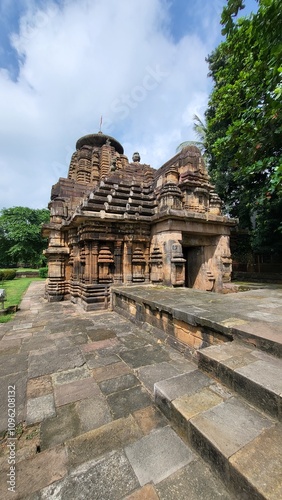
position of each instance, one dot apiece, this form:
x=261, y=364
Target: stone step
x=243, y=444
x=253, y=374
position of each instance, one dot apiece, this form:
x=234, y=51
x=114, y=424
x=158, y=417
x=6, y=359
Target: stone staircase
x=229, y=410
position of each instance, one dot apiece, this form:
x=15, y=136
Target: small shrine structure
x=118, y=222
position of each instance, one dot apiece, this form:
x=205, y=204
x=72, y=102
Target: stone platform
x=109, y=410
x=192, y=319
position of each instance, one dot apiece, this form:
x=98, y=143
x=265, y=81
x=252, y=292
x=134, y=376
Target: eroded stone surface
x=69, y=376
x=194, y=481
x=39, y=387
x=231, y=425
x=110, y=477
x=156, y=456
x=122, y=403
x=144, y=356
x=147, y=492
x=94, y=360
x=155, y=373
x=13, y=363
x=266, y=373
x=93, y=413
x=56, y=430
x=110, y=371
x=96, y=334
x=52, y=360
x=38, y=472
x=18, y=382
x=185, y=384
x=149, y=418
x=112, y=436
x=119, y=383
x=189, y=406
x=260, y=462
x=75, y=391
x=40, y=408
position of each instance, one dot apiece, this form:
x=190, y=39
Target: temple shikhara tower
x=118, y=222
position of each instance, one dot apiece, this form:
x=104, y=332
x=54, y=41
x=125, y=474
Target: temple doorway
x=194, y=260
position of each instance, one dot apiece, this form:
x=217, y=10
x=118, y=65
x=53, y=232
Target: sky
x=64, y=64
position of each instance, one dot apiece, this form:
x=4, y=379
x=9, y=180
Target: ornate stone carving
x=115, y=221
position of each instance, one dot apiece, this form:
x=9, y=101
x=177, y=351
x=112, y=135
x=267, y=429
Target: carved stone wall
x=118, y=222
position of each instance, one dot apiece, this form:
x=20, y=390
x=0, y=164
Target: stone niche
x=115, y=221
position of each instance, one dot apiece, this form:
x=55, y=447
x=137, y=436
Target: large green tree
x=244, y=120
x=20, y=236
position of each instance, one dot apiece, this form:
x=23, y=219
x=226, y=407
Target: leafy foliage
x=7, y=274
x=200, y=129
x=20, y=236
x=244, y=120
x=43, y=272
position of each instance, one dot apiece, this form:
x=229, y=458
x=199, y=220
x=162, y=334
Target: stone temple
x=118, y=222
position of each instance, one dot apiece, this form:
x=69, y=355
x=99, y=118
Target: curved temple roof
x=98, y=140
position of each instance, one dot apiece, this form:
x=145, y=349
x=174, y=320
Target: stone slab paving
x=158, y=455
x=38, y=409
x=75, y=391
x=109, y=477
x=84, y=383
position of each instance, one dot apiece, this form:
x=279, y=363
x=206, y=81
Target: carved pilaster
x=94, y=262
x=105, y=159
x=95, y=168
x=147, y=265
x=118, y=261
x=88, y=272
x=127, y=257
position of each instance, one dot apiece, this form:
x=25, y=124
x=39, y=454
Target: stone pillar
x=94, y=262
x=127, y=258
x=87, y=269
x=177, y=265
x=76, y=262
x=81, y=262
x=118, y=261
x=147, y=266
x=55, y=287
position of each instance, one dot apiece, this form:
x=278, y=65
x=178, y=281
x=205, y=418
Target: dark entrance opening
x=194, y=260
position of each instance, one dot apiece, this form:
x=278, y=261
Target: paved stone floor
x=87, y=425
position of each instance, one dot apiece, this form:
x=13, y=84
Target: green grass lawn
x=14, y=293
x=20, y=269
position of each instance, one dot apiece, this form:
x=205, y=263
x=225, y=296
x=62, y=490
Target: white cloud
x=85, y=59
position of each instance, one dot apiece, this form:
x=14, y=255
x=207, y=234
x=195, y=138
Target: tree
x=244, y=121
x=20, y=236
x=200, y=129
